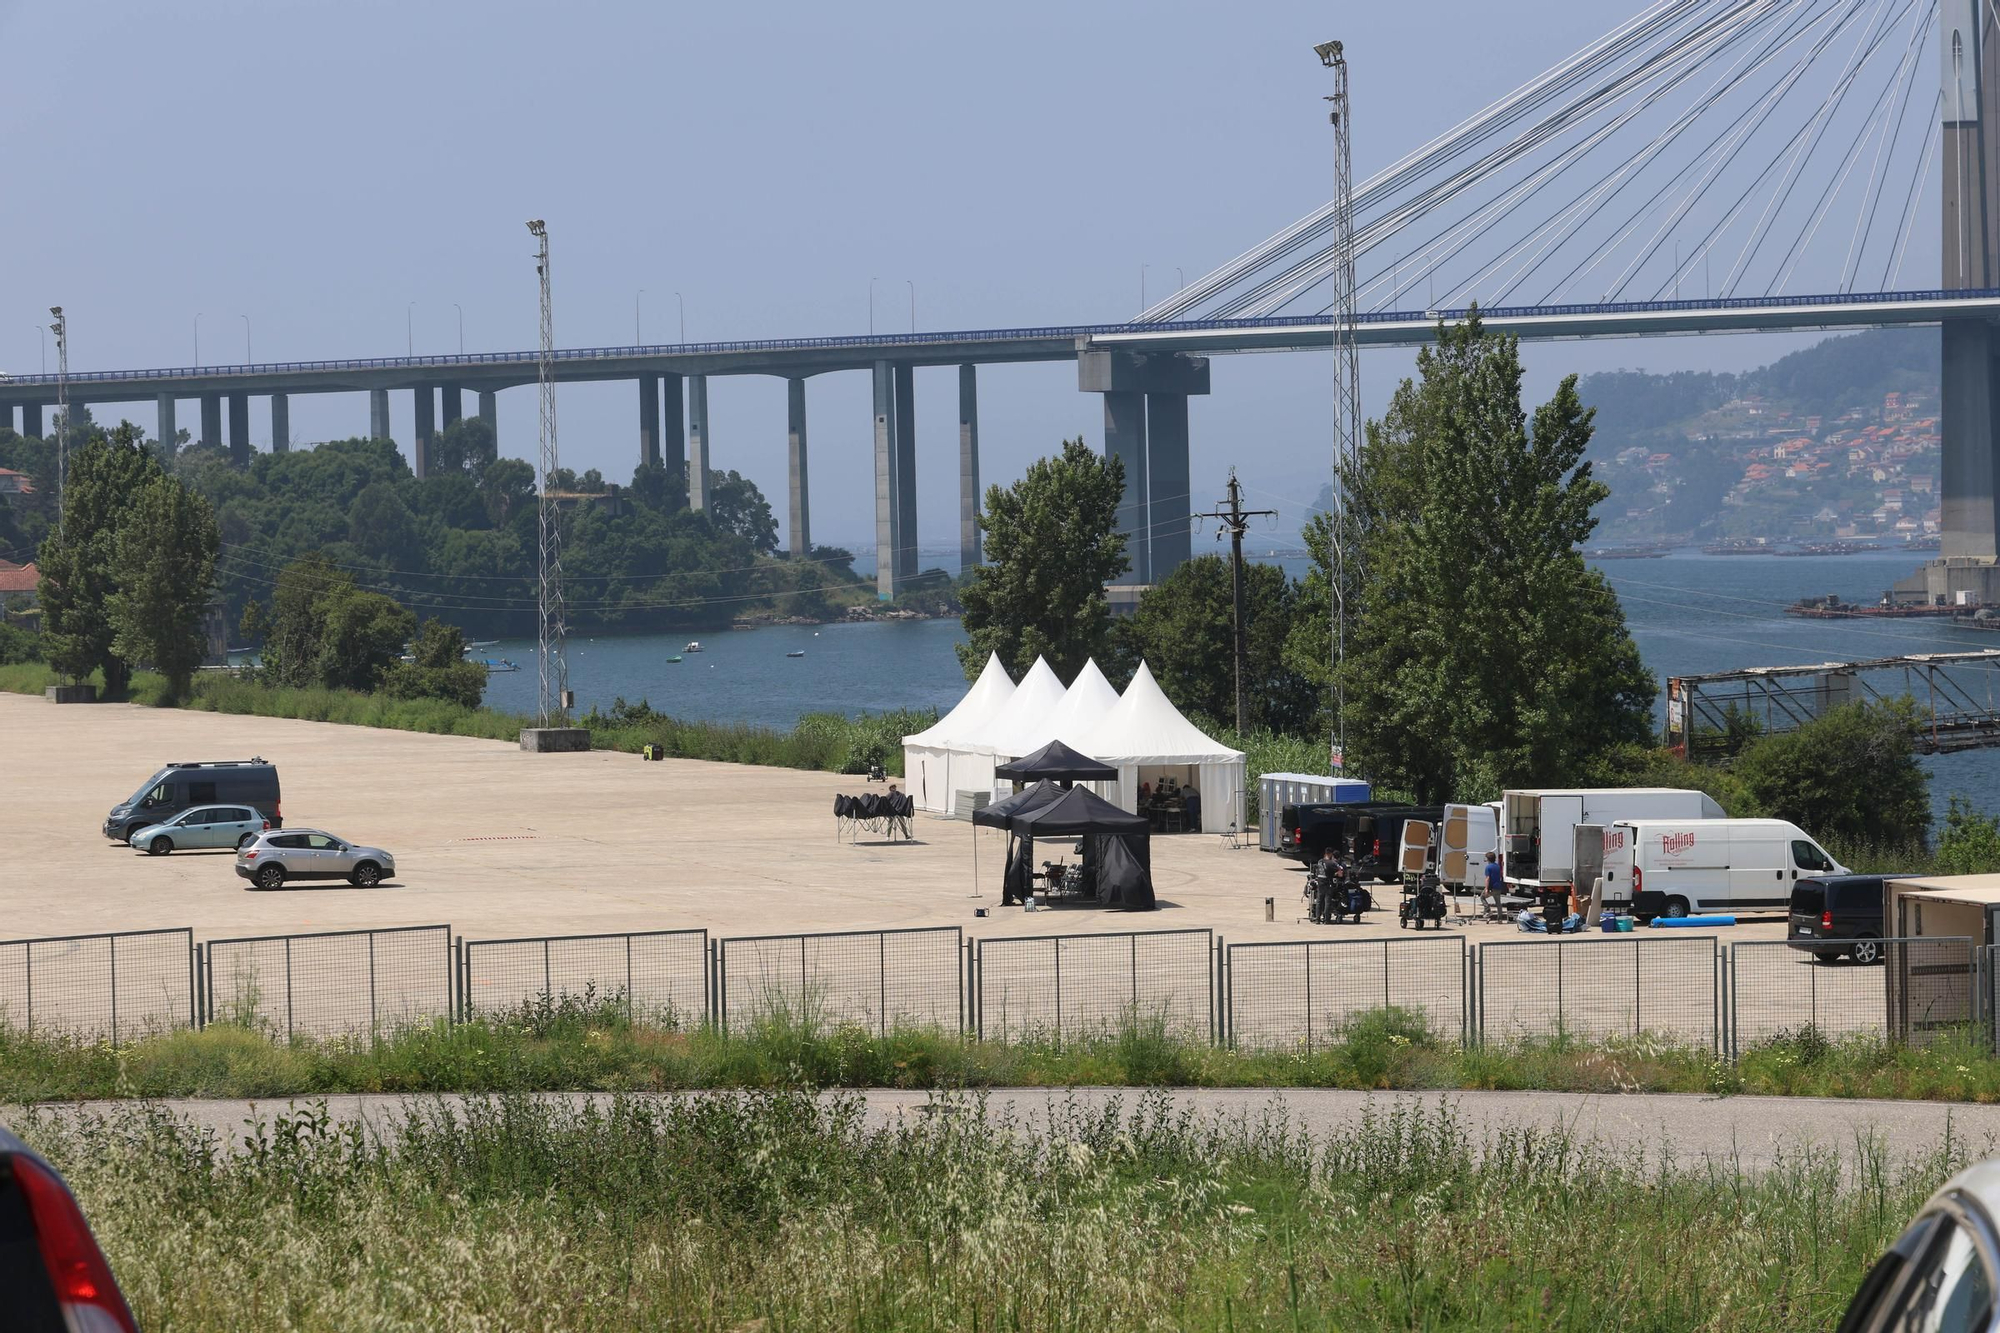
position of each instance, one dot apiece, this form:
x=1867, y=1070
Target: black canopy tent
x=1117, y=847
x=1000, y=814
x=1056, y=761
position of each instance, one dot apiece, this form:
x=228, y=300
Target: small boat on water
x=675, y=658
x=694, y=646
x=797, y=652
x=498, y=664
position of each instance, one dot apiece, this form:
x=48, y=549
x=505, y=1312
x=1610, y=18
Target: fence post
x=630, y=1012
x=113, y=941
x=979, y=990
x=548, y=986
x=374, y=1017
x=1056, y=946
x=194, y=987
x=1309, y=996
x=28, y=972
x=1638, y=994
x=1385, y=972
x=288, y=988
x=882, y=978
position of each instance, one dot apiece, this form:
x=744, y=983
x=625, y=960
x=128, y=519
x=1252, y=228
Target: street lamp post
x=913, y=303
x=1142, y=285
x=684, y=315
x=61, y=329
x=410, y=329
x=871, y=305
x=638, y=338
x=197, y=339
x=247, y=357
x=461, y=326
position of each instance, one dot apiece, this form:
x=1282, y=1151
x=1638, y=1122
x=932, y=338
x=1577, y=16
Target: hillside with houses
x=1838, y=442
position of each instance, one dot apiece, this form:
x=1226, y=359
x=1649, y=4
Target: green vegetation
x=165, y=562
x=1183, y=629
x=589, y=1043
x=1052, y=543
x=1482, y=653
x=789, y=1211
x=831, y=742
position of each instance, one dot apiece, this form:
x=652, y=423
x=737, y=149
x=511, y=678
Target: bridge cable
x=1893, y=270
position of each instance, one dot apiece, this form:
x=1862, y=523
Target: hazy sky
x=319, y=167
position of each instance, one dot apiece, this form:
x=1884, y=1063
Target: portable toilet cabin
x=1933, y=987
x=1275, y=791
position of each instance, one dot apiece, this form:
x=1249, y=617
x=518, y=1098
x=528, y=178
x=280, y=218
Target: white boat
x=694, y=646
x=796, y=652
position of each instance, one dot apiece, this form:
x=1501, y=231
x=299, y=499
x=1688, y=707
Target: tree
x=1052, y=543
x=165, y=562
x=294, y=627
x=736, y=506
x=1970, y=844
x=437, y=668
x=1850, y=775
x=1482, y=653
x=381, y=526
x=361, y=636
x=78, y=562
x=464, y=448
x=253, y=625
x=1184, y=630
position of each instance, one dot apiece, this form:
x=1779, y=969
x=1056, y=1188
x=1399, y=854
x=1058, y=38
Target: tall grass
x=791, y=1211
x=570, y=1044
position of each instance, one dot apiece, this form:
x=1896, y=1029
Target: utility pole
x=1234, y=522
x=1346, y=382
x=61, y=329
x=554, y=661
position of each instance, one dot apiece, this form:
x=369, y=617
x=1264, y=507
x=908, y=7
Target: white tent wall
x=929, y=756
x=924, y=777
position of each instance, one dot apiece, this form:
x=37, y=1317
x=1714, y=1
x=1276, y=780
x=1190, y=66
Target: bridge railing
x=1053, y=331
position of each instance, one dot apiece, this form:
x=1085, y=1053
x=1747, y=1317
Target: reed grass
x=756, y=1212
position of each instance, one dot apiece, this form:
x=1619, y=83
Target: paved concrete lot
x=498, y=843
x=1752, y=1132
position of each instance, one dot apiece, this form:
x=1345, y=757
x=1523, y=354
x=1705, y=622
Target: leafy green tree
x=253, y=625
x=361, y=636
x=165, y=575
x=736, y=506
x=1851, y=775
x=437, y=668
x=1970, y=843
x=1052, y=543
x=1481, y=652
x=381, y=526
x=295, y=627
x=78, y=563
x=1184, y=630
x=464, y=448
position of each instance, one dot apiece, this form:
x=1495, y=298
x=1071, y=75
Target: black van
x=1367, y=835
x=179, y=787
x=1836, y=916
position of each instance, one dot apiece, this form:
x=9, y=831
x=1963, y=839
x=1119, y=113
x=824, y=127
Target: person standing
x=1495, y=910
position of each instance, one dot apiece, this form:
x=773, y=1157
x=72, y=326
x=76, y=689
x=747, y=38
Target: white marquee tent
x=928, y=756
x=1147, y=738
x=1089, y=699
x=1019, y=728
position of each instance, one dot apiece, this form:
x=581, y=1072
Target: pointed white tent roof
x=1145, y=728
x=1089, y=699
x=1021, y=727
x=988, y=695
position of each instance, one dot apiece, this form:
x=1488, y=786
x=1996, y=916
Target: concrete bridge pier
x=906, y=472
x=697, y=463
x=167, y=430
x=673, y=424
x=239, y=430
x=378, y=414
x=799, y=530
x=424, y=431
x=886, y=516
x=489, y=412
x=649, y=419
x=281, y=424
x=969, y=542
x=454, y=404
x=1145, y=426
x=211, y=420
x=31, y=420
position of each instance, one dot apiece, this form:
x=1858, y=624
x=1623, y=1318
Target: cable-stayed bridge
x=1706, y=166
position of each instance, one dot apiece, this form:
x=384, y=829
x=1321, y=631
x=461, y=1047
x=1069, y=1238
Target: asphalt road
x=1746, y=1131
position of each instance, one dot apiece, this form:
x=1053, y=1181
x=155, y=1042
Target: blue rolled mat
x=1659, y=921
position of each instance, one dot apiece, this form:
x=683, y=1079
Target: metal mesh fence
x=658, y=976
x=1907, y=990
x=876, y=979
x=1305, y=993
x=1087, y=985
x=1599, y=990
x=343, y=983
x=116, y=986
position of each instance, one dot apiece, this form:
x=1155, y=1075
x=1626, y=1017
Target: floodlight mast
x=553, y=661
x=1346, y=382
x=61, y=329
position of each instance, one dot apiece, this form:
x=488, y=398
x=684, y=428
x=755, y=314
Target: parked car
x=1847, y=908
x=1674, y=867
x=1943, y=1270
x=53, y=1274
x=188, y=786
x=271, y=859
x=204, y=826
x=1366, y=835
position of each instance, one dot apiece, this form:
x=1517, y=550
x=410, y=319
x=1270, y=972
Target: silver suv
x=304, y=853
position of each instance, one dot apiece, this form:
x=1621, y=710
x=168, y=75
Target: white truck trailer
x=1537, y=845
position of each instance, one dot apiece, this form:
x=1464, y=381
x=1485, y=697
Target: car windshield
x=153, y=793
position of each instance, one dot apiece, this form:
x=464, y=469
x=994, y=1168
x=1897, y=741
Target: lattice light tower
x=61, y=329
x=1346, y=377
x=554, y=660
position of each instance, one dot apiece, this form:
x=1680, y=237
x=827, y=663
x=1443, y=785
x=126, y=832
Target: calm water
x=1689, y=613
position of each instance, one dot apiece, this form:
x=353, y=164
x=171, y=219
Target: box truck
x=1657, y=867
x=1537, y=828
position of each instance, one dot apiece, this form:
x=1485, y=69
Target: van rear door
x=1559, y=818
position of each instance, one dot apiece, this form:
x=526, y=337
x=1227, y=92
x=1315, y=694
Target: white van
x=1536, y=827
x=1677, y=867
x=1466, y=835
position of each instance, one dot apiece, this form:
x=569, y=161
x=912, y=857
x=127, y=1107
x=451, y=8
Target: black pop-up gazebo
x=1117, y=847
x=1057, y=762
x=1020, y=852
